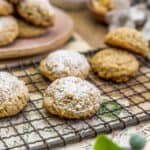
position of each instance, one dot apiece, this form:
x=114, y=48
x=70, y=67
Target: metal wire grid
x=35, y=129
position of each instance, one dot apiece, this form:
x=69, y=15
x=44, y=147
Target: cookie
x=37, y=12
x=27, y=30
x=72, y=98
x=64, y=63
x=115, y=64
x=13, y=95
x=130, y=39
x=8, y=29
x=5, y=8
x=102, y=4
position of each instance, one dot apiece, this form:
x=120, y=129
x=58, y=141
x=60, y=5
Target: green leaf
x=111, y=106
x=104, y=143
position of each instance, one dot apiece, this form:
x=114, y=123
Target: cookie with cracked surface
x=72, y=98
x=129, y=39
x=5, y=8
x=37, y=12
x=8, y=29
x=13, y=95
x=115, y=64
x=27, y=30
x=64, y=63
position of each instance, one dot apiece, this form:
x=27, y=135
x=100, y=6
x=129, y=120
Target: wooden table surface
x=88, y=28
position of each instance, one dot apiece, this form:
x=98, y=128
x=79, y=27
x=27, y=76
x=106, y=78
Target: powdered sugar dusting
x=9, y=86
x=74, y=94
x=67, y=62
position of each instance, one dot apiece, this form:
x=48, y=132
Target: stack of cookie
x=24, y=19
x=118, y=63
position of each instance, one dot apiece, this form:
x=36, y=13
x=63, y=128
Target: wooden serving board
x=54, y=38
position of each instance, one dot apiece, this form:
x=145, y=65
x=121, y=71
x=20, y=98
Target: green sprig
x=104, y=143
x=137, y=142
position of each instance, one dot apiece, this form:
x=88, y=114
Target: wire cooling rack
x=35, y=129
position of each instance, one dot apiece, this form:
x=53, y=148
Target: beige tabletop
x=88, y=28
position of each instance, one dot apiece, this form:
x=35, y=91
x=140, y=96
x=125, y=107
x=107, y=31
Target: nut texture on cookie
x=8, y=29
x=5, y=8
x=27, y=30
x=13, y=95
x=64, y=63
x=37, y=12
x=72, y=98
x=129, y=39
x=116, y=65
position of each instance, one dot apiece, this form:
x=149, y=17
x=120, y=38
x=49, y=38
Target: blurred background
x=103, y=15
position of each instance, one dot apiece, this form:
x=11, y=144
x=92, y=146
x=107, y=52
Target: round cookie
x=13, y=95
x=27, y=30
x=64, y=63
x=130, y=39
x=37, y=12
x=72, y=98
x=116, y=65
x=5, y=8
x=8, y=29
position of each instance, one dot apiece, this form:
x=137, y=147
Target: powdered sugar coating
x=65, y=60
x=65, y=63
x=14, y=95
x=72, y=97
x=10, y=87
